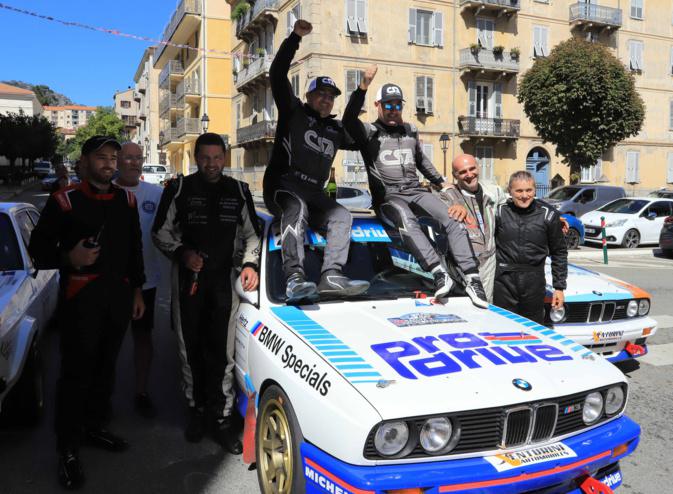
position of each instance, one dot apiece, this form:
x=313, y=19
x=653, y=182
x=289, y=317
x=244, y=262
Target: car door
x=652, y=220
x=585, y=201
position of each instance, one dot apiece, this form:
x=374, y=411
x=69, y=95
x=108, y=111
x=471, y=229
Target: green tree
x=24, y=137
x=581, y=99
x=104, y=122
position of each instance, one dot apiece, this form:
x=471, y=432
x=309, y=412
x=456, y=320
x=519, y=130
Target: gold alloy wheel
x=275, y=461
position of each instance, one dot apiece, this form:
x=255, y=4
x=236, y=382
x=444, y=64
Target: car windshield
x=10, y=256
x=624, y=206
x=563, y=194
x=376, y=255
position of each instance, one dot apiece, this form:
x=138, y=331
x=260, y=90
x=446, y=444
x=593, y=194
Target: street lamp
x=444, y=143
x=204, y=122
x=161, y=139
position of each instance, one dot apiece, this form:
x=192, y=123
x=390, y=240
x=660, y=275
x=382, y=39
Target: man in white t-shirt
x=130, y=166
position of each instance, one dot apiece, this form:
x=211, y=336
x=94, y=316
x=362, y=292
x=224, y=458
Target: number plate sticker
x=518, y=459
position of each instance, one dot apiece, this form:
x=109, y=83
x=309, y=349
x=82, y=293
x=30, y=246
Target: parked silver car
x=354, y=198
x=579, y=199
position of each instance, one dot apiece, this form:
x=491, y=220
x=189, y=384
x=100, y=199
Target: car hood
x=14, y=292
x=594, y=217
x=585, y=285
x=411, y=357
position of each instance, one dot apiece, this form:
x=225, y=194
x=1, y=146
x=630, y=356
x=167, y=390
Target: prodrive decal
x=509, y=461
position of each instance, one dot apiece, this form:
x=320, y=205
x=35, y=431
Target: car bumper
x=595, y=449
x=666, y=239
x=613, y=235
x=610, y=339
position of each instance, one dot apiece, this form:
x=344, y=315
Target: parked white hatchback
x=629, y=221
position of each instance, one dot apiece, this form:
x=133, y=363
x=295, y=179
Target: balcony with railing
x=168, y=135
x=185, y=8
x=188, y=126
x=168, y=102
x=171, y=69
x=136, y=96
x=500, y=128
x=260, y=131
x=589, y=15
x=254, y=74
x=141, y=86
x=260, y=12
x=504, y=6
x=188, y=87
x=129, y=120
x=483, y=60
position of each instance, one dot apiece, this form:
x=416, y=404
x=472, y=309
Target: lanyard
x=476, y=213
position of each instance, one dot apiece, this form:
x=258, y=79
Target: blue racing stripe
x=353, y=366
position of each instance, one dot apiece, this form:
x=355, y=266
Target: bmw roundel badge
x=522, y=384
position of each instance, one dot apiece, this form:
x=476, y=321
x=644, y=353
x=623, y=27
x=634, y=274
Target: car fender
x=14, y=348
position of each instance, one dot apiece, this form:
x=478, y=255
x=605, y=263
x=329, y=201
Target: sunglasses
x=390, y=106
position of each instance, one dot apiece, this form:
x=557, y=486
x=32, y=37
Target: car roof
x=7, y=207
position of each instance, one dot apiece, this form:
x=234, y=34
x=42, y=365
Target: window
x=429, y=151
x=637, y=9
x=669, y=169
x=356, y=17
x=670, y=114
x=353, y=78
x=540, y=36
x=670, y=66
x=587, y=195
x=238, y=115
x=592, y=173
x=632, y=167
x=424, y=95
x=484, y=155
x=485, y=29
x=636, y=55
x=295, y=84
x=292, y=16
x=660, y=208
x=426, y=27
x=125, y=104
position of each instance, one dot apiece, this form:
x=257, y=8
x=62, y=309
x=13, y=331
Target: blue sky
x=86, y=66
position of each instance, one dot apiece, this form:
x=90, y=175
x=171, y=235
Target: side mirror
x=246, y=297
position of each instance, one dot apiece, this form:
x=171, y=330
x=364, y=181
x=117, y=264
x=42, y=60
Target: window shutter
x=670, y=66
x=543, y=41
x=669, y=169
x=351, y=83
x=498, y=99
x=429, y=95
x=472, y=99
x=670, y=114
x=536, y=41
x=361, y=15
x=438, y=23
x=481, y=32
x=598, y=169
x=420, y=93
x=412, y=25
x=351, y=22
x=428, y=151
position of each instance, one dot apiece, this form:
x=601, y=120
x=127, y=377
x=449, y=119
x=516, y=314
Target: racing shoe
x=226, y=436
x=104, y=439
x=475, y=290
x=70, y=474
x=299, y=288
x=443, y=282
x=334, y=283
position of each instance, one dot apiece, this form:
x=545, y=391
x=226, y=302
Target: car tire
x=631, y=239
x=573, y=239
x=667, y=252
x=278, y=441
x=24, y=404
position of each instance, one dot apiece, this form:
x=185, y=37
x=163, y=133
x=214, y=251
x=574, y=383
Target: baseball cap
x=389, y=92
x=323, y=81
x=96, y=142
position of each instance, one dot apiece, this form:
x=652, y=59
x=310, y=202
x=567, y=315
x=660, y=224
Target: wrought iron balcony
x=502, y=128
x=488, y=60
x=168, y=102
x=168, y=135
x=508, y=6
x=187, y=126
x=257, y=14
x=185, y=7
x=248, y=76
x=266, y=129
x=173, y=67
x=589, y=14
x=189, y=86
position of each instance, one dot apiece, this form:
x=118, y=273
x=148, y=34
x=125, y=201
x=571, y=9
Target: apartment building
x=458, y=63
x=126, y=106
x=195, y=84
x=18, y=100
x=69, y=117
x=146, y=91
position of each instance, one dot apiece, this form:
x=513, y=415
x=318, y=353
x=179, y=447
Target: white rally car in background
x=607, y=315
x=27, y=303
x=391, y=391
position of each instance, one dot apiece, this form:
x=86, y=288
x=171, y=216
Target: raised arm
x=280, y=84
x=355, y=128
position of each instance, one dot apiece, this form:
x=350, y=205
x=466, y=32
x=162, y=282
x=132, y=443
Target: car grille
x=582, y=312
x=505, y=427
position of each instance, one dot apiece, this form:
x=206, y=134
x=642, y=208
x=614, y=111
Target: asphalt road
x=160, y=461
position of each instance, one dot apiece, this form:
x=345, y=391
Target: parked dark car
x=575, y=235
x=663, y=192
x=579, y=199
x=666, y=237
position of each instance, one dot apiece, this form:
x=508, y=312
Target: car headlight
x=614, y=400
x=643, y=307
x=632, y=308
x=435, y=434
x=557, y=315
x=593, y=407
x=391, y=438
x=616, y=223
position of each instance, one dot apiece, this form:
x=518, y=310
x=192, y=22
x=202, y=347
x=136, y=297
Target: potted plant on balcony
x=474, y=48
x=246, y=62
x=515, y=53
x=240, y=10
x=497, y=50
x=261, y=52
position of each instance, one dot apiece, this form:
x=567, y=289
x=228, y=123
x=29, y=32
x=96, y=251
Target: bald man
x=130, y=166
x=481, y=201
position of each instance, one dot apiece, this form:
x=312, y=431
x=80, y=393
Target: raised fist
x=368, y=77
x=302, y=28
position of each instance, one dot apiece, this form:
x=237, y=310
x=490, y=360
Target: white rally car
x=606, y=315
x=27, y=303
x=393, y=392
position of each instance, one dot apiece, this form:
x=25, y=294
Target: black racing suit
x=95, y=301
x=303, y=153
x=213, y=220
x=524, y=238
x=392, y=156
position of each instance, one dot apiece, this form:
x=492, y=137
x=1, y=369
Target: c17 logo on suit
x=396, y=157
x=319, y=144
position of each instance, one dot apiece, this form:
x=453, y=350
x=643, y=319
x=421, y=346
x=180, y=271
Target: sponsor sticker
x=509, y=461
x=600, y=336
x=326, y=484
x=363, y=230
x=612, y=480
x=511, y=338
x=149, y=207
x=424, y=319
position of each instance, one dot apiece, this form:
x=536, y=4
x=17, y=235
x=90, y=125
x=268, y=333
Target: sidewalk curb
x=612, y=253
x=6, y=196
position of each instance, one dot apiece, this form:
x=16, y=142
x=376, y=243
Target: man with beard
x=130, y=165
x=391, y=150
x=91, y=233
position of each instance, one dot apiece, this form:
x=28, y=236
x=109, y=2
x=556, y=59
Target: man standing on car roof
x=201, y=221
x=392, y=153
x=307, y=138
x=91, y=233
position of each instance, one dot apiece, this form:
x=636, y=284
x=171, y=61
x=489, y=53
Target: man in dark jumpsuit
x=307, y=138
x=200, y=221
x=392, y=154
x=91, y=233
x=527, y=231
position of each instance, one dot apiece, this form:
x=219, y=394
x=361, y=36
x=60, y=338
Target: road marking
x=659, y=355
x=663, y=321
